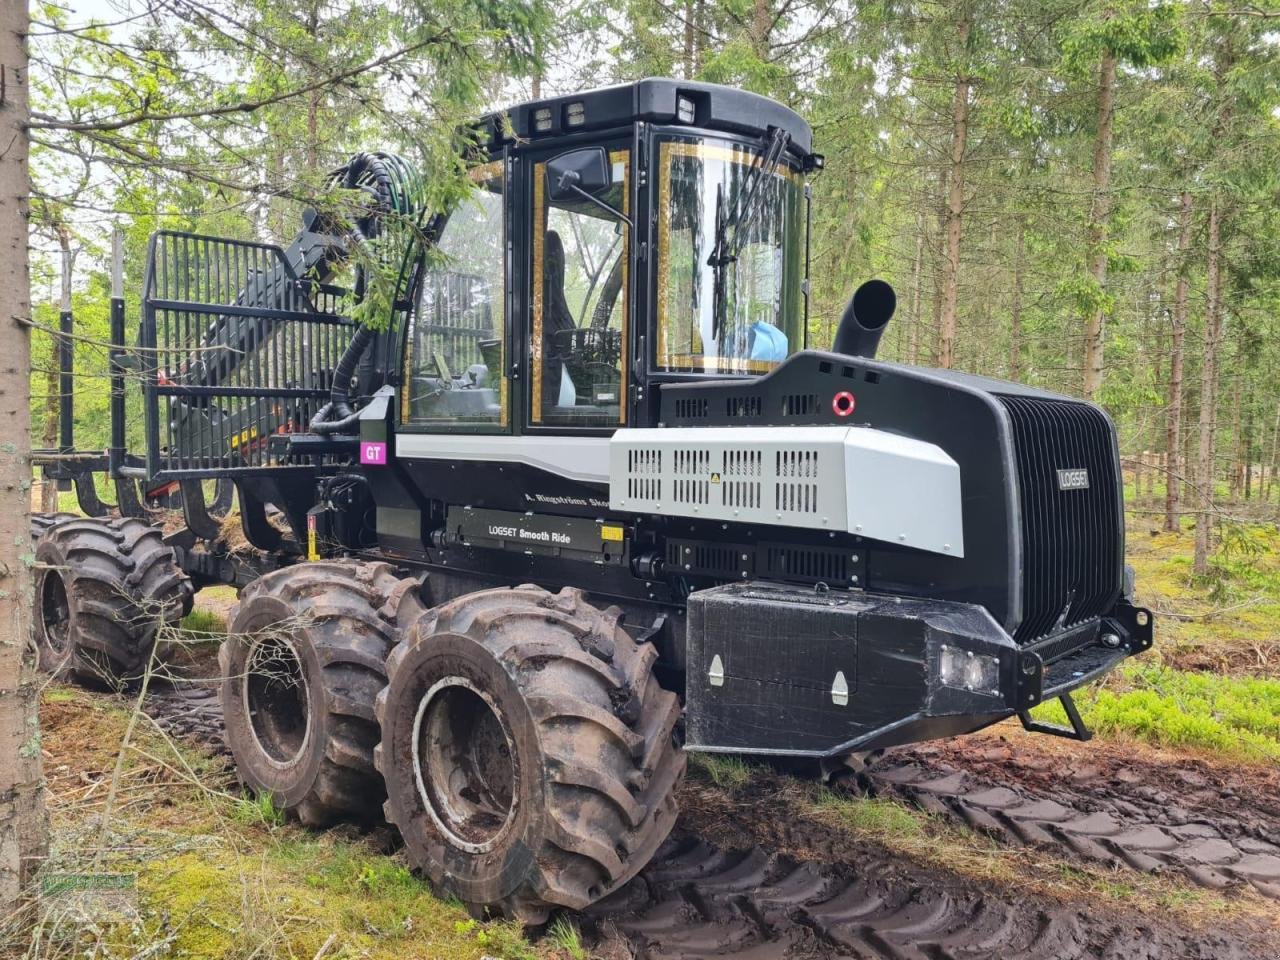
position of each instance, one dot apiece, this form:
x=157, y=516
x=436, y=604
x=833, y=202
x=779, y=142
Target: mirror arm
x=569, y=181
x=618, y=214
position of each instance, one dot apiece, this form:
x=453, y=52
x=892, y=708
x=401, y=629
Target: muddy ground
x=746, y=875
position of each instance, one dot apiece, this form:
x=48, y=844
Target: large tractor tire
x=103, y=590
x=528, y=751
x=42, y=523
x=303, y=661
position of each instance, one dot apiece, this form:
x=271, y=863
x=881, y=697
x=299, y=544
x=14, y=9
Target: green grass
x=564, y=935
x=726, y=772
x=204, y=622
x=1233, y=717
x=881, y=819
x=258, y=809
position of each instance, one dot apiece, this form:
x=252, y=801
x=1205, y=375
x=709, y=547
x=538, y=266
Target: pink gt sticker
x=373, y=454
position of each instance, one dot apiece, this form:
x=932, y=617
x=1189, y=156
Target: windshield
x=762, y=312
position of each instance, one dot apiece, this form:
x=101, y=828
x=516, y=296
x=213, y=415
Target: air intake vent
x=724, y=561
x=692, y=408
x=743, y=406
x=644, y=474
x=799, y=404
x=813, y=564
x=1072, y=537
x=796, y=489
x=740, y=483
x=692, y=469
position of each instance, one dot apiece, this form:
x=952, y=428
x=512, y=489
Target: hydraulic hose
x=393, y=187
x=337, y=415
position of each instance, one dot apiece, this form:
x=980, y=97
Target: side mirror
x=585, y=170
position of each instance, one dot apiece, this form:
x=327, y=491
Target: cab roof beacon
x=545, y=491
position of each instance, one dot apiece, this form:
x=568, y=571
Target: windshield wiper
x=745, y=209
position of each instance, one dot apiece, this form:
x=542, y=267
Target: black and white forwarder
x=575, y=498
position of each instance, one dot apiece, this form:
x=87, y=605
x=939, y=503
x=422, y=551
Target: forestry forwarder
x=598, y=378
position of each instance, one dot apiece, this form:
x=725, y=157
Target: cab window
x=578, y=336
x=456, y=369
x=730, y=259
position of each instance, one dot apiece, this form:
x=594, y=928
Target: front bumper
x=782, y=670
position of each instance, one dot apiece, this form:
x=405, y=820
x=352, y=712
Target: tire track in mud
x=191, y=710
x=696, y=900
x=1104, y=820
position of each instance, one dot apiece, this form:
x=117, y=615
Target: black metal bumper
x=783, y=670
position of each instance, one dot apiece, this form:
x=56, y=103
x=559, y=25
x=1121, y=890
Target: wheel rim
x=463, y=762
x=277, y=700
x=55, y=611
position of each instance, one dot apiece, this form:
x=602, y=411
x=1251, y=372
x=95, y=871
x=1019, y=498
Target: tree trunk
x=1015, y=308
x=761, y=28
x=917, y=285
x=1173, y=405
x=54, y=398
x=1237, y=432
x=312, y=147
x=1248, y=451
x=955, y=205
x=1272, y=462
x=1209, y=394
x=689, y=41
x=23, y=824
x=1099, y=221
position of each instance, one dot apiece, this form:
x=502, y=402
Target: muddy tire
x=103, y=589
x=528, y=751
x=42, y=523
x=303, y=661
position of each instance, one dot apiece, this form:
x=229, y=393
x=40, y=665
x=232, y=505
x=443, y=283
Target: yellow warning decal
x=243, y=437
x=608, y=532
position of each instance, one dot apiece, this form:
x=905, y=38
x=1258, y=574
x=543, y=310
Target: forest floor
x=1160, y=838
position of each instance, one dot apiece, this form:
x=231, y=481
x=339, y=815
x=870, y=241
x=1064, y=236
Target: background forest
x=1082, y=196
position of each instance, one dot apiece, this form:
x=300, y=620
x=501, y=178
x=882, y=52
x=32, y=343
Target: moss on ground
x=1233, y=718
x=217, y=874
x=1210, y=683
x=1227, y=621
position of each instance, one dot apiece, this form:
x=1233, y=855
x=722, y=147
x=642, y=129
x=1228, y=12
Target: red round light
x=842, y=403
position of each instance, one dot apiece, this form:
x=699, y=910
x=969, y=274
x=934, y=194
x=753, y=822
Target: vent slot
x=740, y=481
x=799, y=404
x=692, y=482
x=644, y=469
x=720, y=560
x=796, y=490
x=692, y=408
x=812, y=564
x=743, y=406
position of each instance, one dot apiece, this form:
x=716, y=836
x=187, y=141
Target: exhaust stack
x=864, y=319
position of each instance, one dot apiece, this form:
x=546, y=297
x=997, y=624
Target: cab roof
x=653, y=100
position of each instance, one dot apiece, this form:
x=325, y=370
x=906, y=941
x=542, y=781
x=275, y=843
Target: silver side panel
x=585, y=459
x=852, y=479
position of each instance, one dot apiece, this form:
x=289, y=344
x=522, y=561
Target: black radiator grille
x=1072, y=539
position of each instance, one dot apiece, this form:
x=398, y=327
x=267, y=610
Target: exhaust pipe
x=864, y=319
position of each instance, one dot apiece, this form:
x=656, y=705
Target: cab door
x=580, y=302
x=456, y=377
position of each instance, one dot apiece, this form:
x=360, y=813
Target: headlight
x=965, y=670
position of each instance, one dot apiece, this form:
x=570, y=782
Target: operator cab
x=609, y=241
